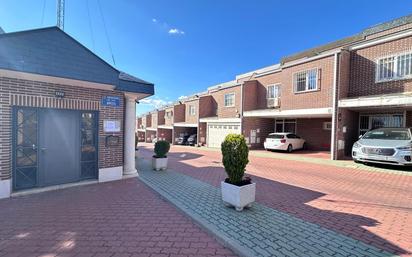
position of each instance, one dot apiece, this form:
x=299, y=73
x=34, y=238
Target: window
x=229, y=100
x=285, y=126
x=327, y=125
x=273, y=91
x=192, y=110
x=169, y=114
x=394, y=67
x=373, y=121
x=306, y=80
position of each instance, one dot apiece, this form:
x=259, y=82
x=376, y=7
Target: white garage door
x=216, y=132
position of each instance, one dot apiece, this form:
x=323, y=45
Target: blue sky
x=187, y=45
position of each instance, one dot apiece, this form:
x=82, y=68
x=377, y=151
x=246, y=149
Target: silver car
x=384, y=145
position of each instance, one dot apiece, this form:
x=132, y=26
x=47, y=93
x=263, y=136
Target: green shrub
x=136, y=139
x=235, y=157
x=161, y=149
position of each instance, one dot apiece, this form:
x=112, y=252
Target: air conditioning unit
x=273, y=102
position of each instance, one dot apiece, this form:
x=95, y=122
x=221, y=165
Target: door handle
x=43, y=149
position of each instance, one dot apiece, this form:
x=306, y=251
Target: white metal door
x=216, y=132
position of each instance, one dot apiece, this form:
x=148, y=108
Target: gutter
x=334, y=106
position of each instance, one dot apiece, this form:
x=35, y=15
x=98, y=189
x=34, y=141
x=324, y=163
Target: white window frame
x=327, y=125
x=233, y=100
x=396, y=76
x=283, y=121
x=306, y=72
x=278, y=91
x=192, y=110
x=370, y=116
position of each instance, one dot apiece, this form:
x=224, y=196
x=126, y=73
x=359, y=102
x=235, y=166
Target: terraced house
x=328, y=95
x=66, y=115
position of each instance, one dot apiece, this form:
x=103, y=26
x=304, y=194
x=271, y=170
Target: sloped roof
x=52, y=52
x=349, y=40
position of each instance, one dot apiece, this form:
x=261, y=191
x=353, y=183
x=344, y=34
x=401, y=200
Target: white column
x=129, y=167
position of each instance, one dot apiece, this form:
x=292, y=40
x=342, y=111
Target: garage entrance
x=216, y=132
x=52, y=147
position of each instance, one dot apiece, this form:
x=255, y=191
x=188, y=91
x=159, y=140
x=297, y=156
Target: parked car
x=284, y=141
x=384, y=145
x=192, y=140
x=182, y=140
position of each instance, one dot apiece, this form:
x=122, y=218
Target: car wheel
x=304, y=146
x=290, y=148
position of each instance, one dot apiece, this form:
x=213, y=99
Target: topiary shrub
x=235, y=158
x=161, y=149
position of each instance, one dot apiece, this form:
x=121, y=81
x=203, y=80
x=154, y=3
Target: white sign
x=111, y=125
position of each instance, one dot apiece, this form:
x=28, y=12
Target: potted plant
x=237, y=190
x=159, y=160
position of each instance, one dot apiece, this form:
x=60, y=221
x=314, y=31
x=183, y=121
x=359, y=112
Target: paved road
x=123, y=218
x=373, y=207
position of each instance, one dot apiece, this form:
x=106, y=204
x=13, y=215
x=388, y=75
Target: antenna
x=60, y=14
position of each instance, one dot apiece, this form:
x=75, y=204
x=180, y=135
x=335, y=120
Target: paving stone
x=182, y=191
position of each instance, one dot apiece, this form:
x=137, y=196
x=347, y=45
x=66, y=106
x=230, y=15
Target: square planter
x=238, y=196
x=136, y=153
x=159, y=163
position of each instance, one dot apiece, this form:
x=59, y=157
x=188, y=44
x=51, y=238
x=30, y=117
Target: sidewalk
x=259, y=231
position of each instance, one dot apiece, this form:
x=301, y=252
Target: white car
x=384, y=145
x=284, y=141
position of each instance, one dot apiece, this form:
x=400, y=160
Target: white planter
x=136, y=153
x=239, y=197
x=159, y=163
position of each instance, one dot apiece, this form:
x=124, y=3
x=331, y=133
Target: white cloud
x=176, y=31
x=154, y=20
x=182, y=97
x=155, y=102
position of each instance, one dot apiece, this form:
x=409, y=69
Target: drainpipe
x=241, y=108
x=334, y=107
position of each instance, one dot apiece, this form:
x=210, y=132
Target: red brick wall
x=202, y=133
x=165, y=134
x=108, y=157
x=161, y=117
x=192, y=119
x=148, y=120
x=179, y=113
x=207, y=106
x=312, y=131
x=349, y=120
x=227, y=112
x=144, y=122
x=250, y=99
x=264, y=125
x=362, y=73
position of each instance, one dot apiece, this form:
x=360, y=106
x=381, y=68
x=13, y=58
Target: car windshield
x=276, y=136
x=388, y=134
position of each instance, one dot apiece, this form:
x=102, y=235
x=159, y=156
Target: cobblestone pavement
x=373, y=207
x=258, y=231
x=123, y=218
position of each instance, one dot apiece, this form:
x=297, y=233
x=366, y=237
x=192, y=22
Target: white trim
x=5, y=188
x=381, y=40
x=182, y=124
x=151, y=129
x=395, y=57
x=298, y=113
x=371, y=101
x=294, y=81
x=52, y=188
x=192, y=107
x=141, y=130
x=219, y=120
x=334, y=103
x=260, y=72
x=110, y=174
x=164, y=127
x=273, y=85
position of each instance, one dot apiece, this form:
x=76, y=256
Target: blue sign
x=113, y=101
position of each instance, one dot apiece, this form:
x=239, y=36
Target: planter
x=238, y=196
x=159, y=163
x=136, y=153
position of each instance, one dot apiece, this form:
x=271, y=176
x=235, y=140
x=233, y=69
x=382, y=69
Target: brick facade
x=169, y=119
x=165, y=134
x=192, y=119
x=148, y=120
x=108, y=156
x=161, y=117
x=179, y=113
x=154, y=121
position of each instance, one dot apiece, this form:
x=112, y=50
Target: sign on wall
x=113, y=101
x=111, y=125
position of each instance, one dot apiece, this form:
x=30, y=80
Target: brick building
x=66, y=115
x=328, y=95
